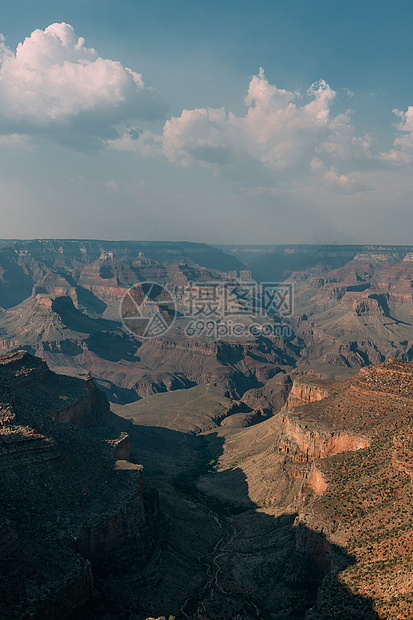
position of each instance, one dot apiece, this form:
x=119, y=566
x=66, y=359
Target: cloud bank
x=280, y=129
x=54, y=84
x=289, y=134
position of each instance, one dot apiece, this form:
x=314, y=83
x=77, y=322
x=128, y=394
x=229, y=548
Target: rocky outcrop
x=72, y=506
x=310, y=474
x=122, y=538
x=306, y=390
x=272, y=396
x=365, y=510
x=23, y=447
x=367, y=306
x=55, y=285
x=376, y=257
x=85, y=411
x=120, y=447
x=64, y=399
x=305, y=444
x=316, y=481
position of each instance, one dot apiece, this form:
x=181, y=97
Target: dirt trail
x=212, y=586
x=186, y=405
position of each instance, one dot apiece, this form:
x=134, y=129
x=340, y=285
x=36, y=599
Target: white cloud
x=343, y=142
x=15, y=141
x=197, y=136
x=350, y=183
x=287, y=135
x=276, y=131
x=54, y=80
x=282, y=131
x=143, y=142
x=405, y=142
x=401, y=155
x=395, y=157
x=55, y=86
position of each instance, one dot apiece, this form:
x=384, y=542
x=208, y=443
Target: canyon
x=265, y=476
x=60, y=300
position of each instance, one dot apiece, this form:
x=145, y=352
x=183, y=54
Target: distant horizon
x=217, y=245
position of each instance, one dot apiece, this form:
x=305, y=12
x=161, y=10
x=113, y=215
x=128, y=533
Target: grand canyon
x=189, y=477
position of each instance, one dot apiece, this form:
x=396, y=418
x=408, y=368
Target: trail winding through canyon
x=196, y=607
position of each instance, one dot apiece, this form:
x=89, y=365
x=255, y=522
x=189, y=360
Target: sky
x=220, y=122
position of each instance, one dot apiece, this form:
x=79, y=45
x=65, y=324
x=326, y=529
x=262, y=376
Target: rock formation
x=306, y=390
x=344, y=466
x=70, y=512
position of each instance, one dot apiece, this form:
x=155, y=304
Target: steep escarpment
x=343, y=466
x=305, y=390
x=69, y=512
x=366, y=508
x=315, y=443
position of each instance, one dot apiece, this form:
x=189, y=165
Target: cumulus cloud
x=405, y=126
x=54, y=81
x=290, y=135
x=401, y=155
x=350, y=183
x=135, y=140
x=55, y=86
x=197, y=136
x=279, y=128
x=283, y=131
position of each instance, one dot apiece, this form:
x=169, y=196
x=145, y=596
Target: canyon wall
x=306, y=390
x=72, y=505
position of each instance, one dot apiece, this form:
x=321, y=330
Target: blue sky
x=161, y=124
